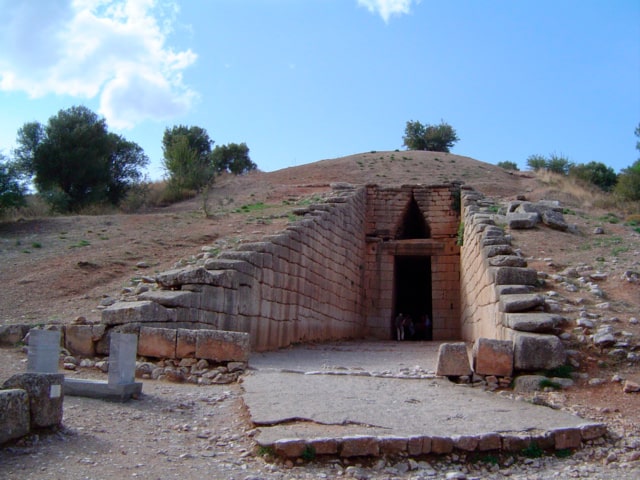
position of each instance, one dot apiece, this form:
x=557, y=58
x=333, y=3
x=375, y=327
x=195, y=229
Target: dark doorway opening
x=412, y=293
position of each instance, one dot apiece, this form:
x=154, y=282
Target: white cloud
x=111, y=49
x=386, y=8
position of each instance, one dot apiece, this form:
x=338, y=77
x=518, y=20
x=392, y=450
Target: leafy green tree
x=508, y=165
x=187, y=157
x=75, y=161
x=596, y=173
x=12, y=189
x=558, y=164
x=434, y=138
x=628, y=186
x=536, y=162
x=233, y=158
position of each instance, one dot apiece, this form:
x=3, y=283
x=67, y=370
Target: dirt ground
x=58, y=268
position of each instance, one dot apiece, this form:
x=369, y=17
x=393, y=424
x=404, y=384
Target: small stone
x=598, y=231
x=630, y=387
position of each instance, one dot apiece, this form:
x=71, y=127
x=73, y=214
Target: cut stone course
x=493, y=357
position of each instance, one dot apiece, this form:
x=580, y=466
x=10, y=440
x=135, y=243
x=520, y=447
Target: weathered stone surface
x=392, y=445
x=532, y=322
x=197, y=275
x=12, y=334
x=520, y=302
x=157, y=342
x=358, y=446
x=493, y=357
x=507, y=261
x=513, y=289
x=441, y=445
x=79, y=340
x=172, y=298
x=222, y=346
x=324, y=446
x=528, y=383
x=453, y=360
x=594, y=430
x=186, y=343
x=534, y=351
x=14, y=414
x=513, y=276
x=515, y=442
x=522, y=221
x=45, y=396
x=291, y=448
x=489, y=441
x=135, y=312
x=630, y=387
x=555, y=220
x=465, y=442
x=567, y=438
x=494, y=250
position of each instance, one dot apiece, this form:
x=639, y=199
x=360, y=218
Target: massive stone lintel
x=413, y=247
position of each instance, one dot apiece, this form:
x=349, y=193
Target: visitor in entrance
x=399, y=323
x=426, y=322
x=409, y=327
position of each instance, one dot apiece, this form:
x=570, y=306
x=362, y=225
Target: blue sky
x=305, y=80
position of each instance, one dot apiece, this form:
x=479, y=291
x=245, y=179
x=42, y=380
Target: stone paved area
x=307, y=395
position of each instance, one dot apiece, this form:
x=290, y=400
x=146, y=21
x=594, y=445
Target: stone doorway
x=412, y=294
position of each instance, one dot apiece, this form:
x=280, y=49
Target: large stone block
x=172, y=298
x=532, y=351
x=12, y=334
x=45, y=396
x=14, y=414
x=222, y=346
x=532, y=322
x=493, y=357
x=186, y=343
x=513, y=276
x=521, y=221
x=359, y=446
x=79, y=340
x=520, y=302
x=135, y=312
x=198, y=276
x=453, y=360
x=157, y=342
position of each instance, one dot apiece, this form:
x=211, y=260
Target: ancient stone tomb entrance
x=412, y=261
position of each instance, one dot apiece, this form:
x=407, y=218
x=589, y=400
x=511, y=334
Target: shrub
x=508, y=165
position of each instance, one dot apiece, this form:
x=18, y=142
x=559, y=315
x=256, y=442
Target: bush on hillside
x=508, y=165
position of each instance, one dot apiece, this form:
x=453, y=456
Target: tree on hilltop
x=232, y=158
x=187, y=157
x=433, y=138
x=12, y=189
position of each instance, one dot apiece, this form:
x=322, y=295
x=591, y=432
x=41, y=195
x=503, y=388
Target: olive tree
x=434, y=138
x=75, y=161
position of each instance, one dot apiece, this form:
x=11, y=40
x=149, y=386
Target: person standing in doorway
x=399, y=323
x=426, y=319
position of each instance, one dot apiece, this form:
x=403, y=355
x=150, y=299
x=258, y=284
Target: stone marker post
x=122, y=358
x=44, y=351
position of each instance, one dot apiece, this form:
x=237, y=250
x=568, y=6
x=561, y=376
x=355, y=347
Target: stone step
x=513, y=289
x=532, y=322
x=520, y=302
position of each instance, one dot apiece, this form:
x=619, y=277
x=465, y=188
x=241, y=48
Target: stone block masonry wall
x=303, y=284
x=498, y=299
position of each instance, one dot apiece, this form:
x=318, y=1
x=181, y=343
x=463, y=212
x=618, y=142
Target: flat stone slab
x=343, y=410
x=102, y=389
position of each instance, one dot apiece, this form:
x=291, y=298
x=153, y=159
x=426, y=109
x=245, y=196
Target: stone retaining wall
x=498, y=298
